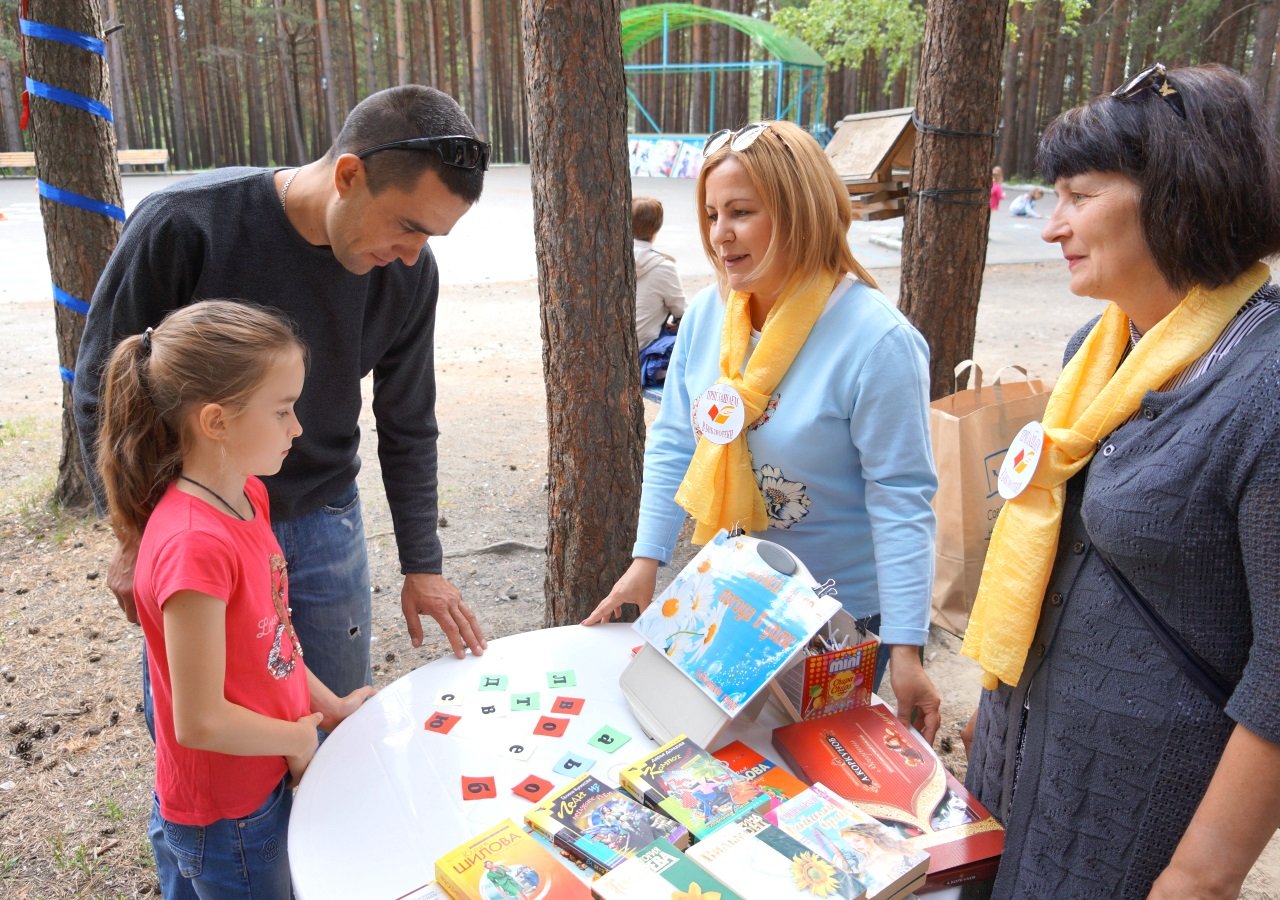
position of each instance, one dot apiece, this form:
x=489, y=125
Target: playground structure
x=797, y=80
x=870, y=151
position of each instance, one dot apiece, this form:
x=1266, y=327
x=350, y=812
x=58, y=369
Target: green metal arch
x=642, y=24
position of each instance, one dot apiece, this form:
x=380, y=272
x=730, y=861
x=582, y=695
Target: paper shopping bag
x=971, y=430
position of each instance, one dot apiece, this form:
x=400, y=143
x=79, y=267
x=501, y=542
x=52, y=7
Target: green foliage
x=1073, y=11
x=1179, y=38
x=844, y=30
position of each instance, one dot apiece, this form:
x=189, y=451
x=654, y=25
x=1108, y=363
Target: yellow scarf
x=1091, y=399
x=719, y=489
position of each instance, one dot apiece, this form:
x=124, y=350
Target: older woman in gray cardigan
x=1155, y=503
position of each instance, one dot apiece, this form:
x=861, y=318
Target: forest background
x=267, y=82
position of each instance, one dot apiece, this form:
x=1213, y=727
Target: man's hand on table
x=917, y=697
x=435, y=596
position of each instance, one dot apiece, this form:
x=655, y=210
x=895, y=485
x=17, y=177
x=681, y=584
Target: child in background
x=997, y=187
x=193, y=410
x=1025, y=204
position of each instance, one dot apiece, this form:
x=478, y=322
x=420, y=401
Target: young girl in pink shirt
x=194, y=411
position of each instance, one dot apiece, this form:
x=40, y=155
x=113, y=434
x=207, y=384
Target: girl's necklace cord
x=215, y=495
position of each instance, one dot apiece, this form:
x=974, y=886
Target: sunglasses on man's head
x=455, y=150
x=737, y=140
x=1152, y=79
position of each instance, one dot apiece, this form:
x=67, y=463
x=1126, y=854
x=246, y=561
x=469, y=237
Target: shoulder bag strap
x=1198, y=669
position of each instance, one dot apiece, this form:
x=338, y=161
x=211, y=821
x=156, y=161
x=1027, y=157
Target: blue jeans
x=328, y=594
x=329, y=591
x=235, y=859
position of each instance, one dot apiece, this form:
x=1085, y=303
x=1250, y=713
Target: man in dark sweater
x=340, y=246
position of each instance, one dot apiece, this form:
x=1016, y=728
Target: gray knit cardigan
x=1097, y=759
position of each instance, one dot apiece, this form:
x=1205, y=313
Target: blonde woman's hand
x=636, y=586
x=919, y=703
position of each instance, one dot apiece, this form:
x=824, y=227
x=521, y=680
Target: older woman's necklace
x=216, y=496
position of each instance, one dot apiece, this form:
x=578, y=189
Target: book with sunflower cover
x=688, y=784
x=762, y=862
x=854, y=842
x=659, y=871
x=735, y=617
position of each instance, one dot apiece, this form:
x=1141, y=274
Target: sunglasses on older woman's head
x=738, y=140
x=1153, y=79
x=457, y=150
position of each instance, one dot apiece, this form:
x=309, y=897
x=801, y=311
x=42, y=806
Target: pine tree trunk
x=1264, y=45
x=10, y=133
x=479, y=84
x=586, y=283
x=75, y=152
x=177, y=92
x=327, y=87
x=944, y=239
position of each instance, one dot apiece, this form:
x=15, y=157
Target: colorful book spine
x=600, y=825
x=688, y=784
x=770, y=777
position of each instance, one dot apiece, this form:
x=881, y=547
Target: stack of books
x=722, y=836
x=866, y=755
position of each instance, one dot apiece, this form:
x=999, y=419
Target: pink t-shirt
x=191, y=545
x=997, y=194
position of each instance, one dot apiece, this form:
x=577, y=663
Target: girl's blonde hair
x=213, y=351
x=805, y=198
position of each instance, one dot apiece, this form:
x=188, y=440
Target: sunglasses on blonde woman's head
x=737, y=140
x=1153, y=79
x=457, y=150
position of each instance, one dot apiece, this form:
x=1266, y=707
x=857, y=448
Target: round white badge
x=1020, y=460
x=718, y=413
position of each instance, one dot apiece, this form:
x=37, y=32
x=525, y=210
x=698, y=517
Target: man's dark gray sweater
x=223, y=235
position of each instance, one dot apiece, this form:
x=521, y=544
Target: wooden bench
x=146, y=157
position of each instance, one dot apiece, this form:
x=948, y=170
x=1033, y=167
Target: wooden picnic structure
x=145, y=157
x=872, y=154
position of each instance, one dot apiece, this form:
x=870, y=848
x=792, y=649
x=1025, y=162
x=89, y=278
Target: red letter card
x=569, y=706
x=532, y=788
x=441, y=723
x=478, y=788
x=551, y=726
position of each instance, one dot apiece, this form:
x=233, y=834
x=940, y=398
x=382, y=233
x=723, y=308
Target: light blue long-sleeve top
x=842, y=453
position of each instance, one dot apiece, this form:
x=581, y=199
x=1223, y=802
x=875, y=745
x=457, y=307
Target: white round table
x=383, y=797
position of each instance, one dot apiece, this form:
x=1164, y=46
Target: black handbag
x=1198, y=669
